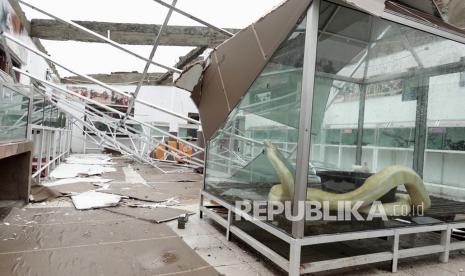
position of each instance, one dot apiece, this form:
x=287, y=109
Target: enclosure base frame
x=293, y=264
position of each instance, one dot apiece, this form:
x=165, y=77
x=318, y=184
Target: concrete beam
x=116, y=78
x=128, y=33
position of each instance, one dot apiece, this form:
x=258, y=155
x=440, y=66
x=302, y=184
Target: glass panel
x=390, y=66
x=334, y=124
x=445, y=154
x=237, y=167
x=14, y=111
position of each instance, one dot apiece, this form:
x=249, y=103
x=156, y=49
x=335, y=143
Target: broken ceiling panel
x=238, y=61
x=92, y=200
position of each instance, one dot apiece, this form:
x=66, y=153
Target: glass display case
x=360, y=105
x=14, y=114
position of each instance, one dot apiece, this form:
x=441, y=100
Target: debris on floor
x=41, y=193
x=122, y=191
x=74, y=170
x=83, y=165
x=90, y=159
x=93, y=200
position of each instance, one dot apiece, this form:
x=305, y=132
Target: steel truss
x=66, y=100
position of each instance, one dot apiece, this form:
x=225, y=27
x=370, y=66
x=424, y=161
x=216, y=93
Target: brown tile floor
x=62, y=241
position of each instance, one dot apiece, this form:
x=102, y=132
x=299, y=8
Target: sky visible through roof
x=91, y=58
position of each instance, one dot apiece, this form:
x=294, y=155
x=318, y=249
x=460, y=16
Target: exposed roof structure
x=235, y=64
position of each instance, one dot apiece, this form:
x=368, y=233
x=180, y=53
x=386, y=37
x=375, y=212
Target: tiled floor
x=210, y=243
x=233, y=258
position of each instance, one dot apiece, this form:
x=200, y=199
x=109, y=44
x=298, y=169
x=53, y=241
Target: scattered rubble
x=79, y=182
x=66, y=170
x=93, y=199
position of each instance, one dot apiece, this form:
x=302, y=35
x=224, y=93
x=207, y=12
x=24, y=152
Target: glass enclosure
x=384, y=94
x=14, y=115
x=237, y=167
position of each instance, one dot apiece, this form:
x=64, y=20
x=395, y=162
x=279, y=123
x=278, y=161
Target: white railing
x=51, y=147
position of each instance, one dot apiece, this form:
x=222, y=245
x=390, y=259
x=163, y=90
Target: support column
x=41, y=150
x=294, y=258
x=305, y=122
x=48, y=150
x=395, y=251
x=445, y=241
x=421, y=124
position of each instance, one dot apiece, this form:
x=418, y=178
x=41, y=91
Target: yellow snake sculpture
x=374, y=187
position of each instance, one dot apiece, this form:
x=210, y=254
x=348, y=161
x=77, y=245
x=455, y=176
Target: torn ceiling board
x=234, y=53
x=136, y=191
x=158, y=215
x=190, y=77
x=74, y=170
x=375, y=7
x=91, y=200
x=214, y=105
x=281, y=22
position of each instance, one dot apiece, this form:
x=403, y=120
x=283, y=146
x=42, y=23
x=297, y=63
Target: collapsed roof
x=234, y=65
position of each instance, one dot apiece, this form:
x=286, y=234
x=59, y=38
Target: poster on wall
x=102, y=96
x=11, y=24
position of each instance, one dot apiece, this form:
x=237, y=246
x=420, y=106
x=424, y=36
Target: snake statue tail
x=372, y=190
